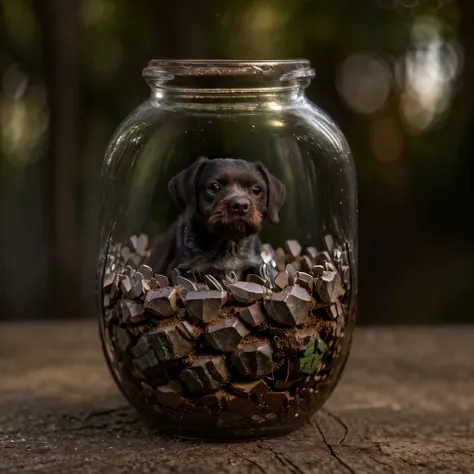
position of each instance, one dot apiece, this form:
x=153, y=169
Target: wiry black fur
x=192, y=244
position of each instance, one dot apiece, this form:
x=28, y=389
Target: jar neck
x=228, y=83
x=264, y=99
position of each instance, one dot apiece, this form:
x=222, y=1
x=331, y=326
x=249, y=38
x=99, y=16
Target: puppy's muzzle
x=239, y=206
x=234, y=217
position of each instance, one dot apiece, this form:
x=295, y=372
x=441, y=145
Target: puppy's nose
x=239, y=205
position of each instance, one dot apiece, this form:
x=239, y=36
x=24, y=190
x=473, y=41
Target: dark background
x=396, y=75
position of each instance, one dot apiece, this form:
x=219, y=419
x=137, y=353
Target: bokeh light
x=364, y=82
x=427, y=75
x=24, y=118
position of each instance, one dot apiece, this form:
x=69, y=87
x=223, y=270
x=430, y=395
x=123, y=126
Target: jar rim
x=163, y=70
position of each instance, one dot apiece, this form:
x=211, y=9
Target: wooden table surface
x=405, y=404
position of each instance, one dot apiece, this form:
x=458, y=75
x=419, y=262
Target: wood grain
x=405, y=405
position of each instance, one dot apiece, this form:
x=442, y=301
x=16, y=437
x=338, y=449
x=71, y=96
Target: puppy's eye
x=257, y=190
x=213, y=188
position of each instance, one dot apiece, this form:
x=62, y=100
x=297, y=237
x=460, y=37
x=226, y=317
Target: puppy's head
x=232, y=197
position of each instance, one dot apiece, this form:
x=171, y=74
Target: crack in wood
x=410, y=463
x=98, y=413
x=251, y=461
x=378, y=461
x=331, y=449
x=338, y=420
x=282, y=458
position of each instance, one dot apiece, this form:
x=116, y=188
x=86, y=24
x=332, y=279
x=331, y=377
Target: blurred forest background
x=396, y=75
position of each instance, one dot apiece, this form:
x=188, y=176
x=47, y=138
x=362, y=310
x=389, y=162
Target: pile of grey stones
x=240, y=346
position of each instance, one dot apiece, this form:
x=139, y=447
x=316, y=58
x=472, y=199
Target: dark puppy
x=224, y=202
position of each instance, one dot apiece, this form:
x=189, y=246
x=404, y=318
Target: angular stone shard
x=175, y=273
x=147, y=362
x=335, y=310
x=305, y=280
x=115, y=287
x=125, y=284
x=150, y=284
x=121, y=338
x=226, y=334
x=182, y=292
x=276, y=401
x=171, y=394
x=329, y=286
x=291, y=273
x=133, y=243
x=293, y=249
x=137, y=289
x=306, y=264
x=131, y=312
x=255, y=279
x=125, y=253
x=135, y=259
x=162, y=281
x=145, y=357
x=138, y=276
x=146, y=271
x=206, y=374
x=318, y=270
x=161, y=303
x=142, y=243
x=213, y=283
x=329, y=243
x=311, y=252
x=258, y=419
x=141, y=347
x=290, y=307
x=108, y=280
x=322, y=258
x=186, y=283
x=216, y=398
x=297, y=264
x=169, y=344
x=280, y=259
x=254, y=359
x=129, y=271
x=205, y=305
x=189, y=330
x=245, y=292
x=243, y=406
x=253, y=315
x=282, y=280
x=246, y=389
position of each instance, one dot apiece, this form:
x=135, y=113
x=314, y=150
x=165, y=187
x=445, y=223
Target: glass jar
x=227, y=273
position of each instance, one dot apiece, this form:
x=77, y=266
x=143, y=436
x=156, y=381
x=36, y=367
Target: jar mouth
x=227, y=73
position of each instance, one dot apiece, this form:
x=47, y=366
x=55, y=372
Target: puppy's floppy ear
x=275, y=195
x=183, y=186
